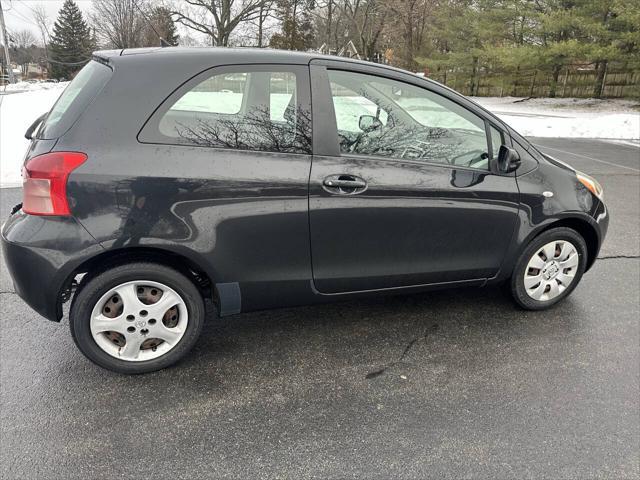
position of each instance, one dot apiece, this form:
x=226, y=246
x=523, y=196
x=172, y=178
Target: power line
x=24, y=4
x=20, y=15
x=6, y=46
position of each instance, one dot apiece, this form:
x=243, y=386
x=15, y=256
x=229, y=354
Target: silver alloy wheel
x=138, y=321
x=551, y=270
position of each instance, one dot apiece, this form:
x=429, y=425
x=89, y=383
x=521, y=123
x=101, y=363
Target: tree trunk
x=533, y=83
x=329, y=21
x=601, y=73
x=474, y=77
x=554, y=80
x=260, y=25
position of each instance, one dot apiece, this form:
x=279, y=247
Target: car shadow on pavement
x=369, y=336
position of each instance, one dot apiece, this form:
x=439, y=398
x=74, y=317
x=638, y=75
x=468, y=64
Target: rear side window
x=221, y=94
x=240, y=110
x=75, y=98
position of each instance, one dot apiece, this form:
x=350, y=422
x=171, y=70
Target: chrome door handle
x=344, y=184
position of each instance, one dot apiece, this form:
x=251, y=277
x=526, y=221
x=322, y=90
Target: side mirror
x=508, y=160
x=369, y=123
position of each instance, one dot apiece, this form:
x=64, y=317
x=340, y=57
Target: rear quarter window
x=253, y=107
x=75, y=98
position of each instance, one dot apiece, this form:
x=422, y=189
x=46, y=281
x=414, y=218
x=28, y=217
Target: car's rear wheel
x=549, y=268
x=137, y=317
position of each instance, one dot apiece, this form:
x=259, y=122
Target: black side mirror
x=369, y=123
x=508, y=160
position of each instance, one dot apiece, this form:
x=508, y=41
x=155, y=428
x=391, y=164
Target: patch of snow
x=29, y=86
x=567, y=117
x=17, y=112
x=628, y=143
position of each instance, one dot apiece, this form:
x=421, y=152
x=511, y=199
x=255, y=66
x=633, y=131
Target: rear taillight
x=44, y=182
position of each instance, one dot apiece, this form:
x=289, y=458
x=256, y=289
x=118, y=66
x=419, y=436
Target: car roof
x=187, y=57
x=236, y=55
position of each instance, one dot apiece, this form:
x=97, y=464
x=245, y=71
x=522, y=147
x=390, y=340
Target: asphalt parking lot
x=454, y=384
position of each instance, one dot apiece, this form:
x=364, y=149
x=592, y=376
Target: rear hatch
x=45, y=173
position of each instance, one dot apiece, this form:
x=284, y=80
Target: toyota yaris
x=164, y=178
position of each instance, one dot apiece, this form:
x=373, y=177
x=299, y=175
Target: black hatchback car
x=165, y=177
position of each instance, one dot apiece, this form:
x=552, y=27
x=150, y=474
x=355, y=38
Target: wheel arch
x=111, y=258
x=586, y=230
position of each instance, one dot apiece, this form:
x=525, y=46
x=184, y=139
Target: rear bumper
x=41, y=253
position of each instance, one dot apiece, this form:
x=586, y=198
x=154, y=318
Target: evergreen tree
x=71, y=43
x=297, y=27
x=160, y=18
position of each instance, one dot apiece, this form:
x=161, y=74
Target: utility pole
x=6, y=45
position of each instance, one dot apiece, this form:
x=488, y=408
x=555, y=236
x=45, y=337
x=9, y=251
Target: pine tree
x=297, y=28
x=71, y=42
x=160, y=18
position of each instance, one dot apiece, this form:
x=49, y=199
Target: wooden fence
x=572, y=82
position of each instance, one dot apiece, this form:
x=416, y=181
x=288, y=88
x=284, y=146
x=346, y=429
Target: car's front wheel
x=549, y=268
x=137, y=317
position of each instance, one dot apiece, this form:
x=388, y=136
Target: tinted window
x=75, y=98
x=350, y=106
x=387, y=118
x=218, y=94
x=252, y=110
x=282, y=93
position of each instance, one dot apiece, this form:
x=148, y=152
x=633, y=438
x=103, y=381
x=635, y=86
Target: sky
x=18, y=16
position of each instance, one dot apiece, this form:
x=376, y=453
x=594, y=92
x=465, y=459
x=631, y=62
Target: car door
x=231, y=156
x=402, y=188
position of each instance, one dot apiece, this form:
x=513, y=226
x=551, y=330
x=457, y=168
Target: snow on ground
x=541, y=117
x=24, y=86
x=568, y=117
x=17, y=113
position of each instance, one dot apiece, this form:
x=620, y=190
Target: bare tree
x=22, y=38
x=264, y=12
x=217, y=18
x=44, y=24
x=408, y=27
x=367, y=18
x=332, y=27
x=24, y=49
x=119, y=23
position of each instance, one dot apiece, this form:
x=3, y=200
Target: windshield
x=75, y=98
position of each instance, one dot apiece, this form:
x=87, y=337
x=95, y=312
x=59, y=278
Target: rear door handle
x=344, y=184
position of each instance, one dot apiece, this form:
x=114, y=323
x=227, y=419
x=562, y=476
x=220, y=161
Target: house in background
x=349, y=50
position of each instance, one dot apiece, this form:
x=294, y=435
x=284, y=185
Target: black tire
x=516, y=283
x=99, y=284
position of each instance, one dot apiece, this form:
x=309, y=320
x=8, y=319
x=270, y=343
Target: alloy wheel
x=139, y=320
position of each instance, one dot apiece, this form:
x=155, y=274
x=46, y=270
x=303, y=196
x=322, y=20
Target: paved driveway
x=447, y=385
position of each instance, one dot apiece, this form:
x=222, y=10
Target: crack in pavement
x=376, y=373
x=613, y=257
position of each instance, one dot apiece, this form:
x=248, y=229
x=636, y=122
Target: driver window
x=381, y=117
